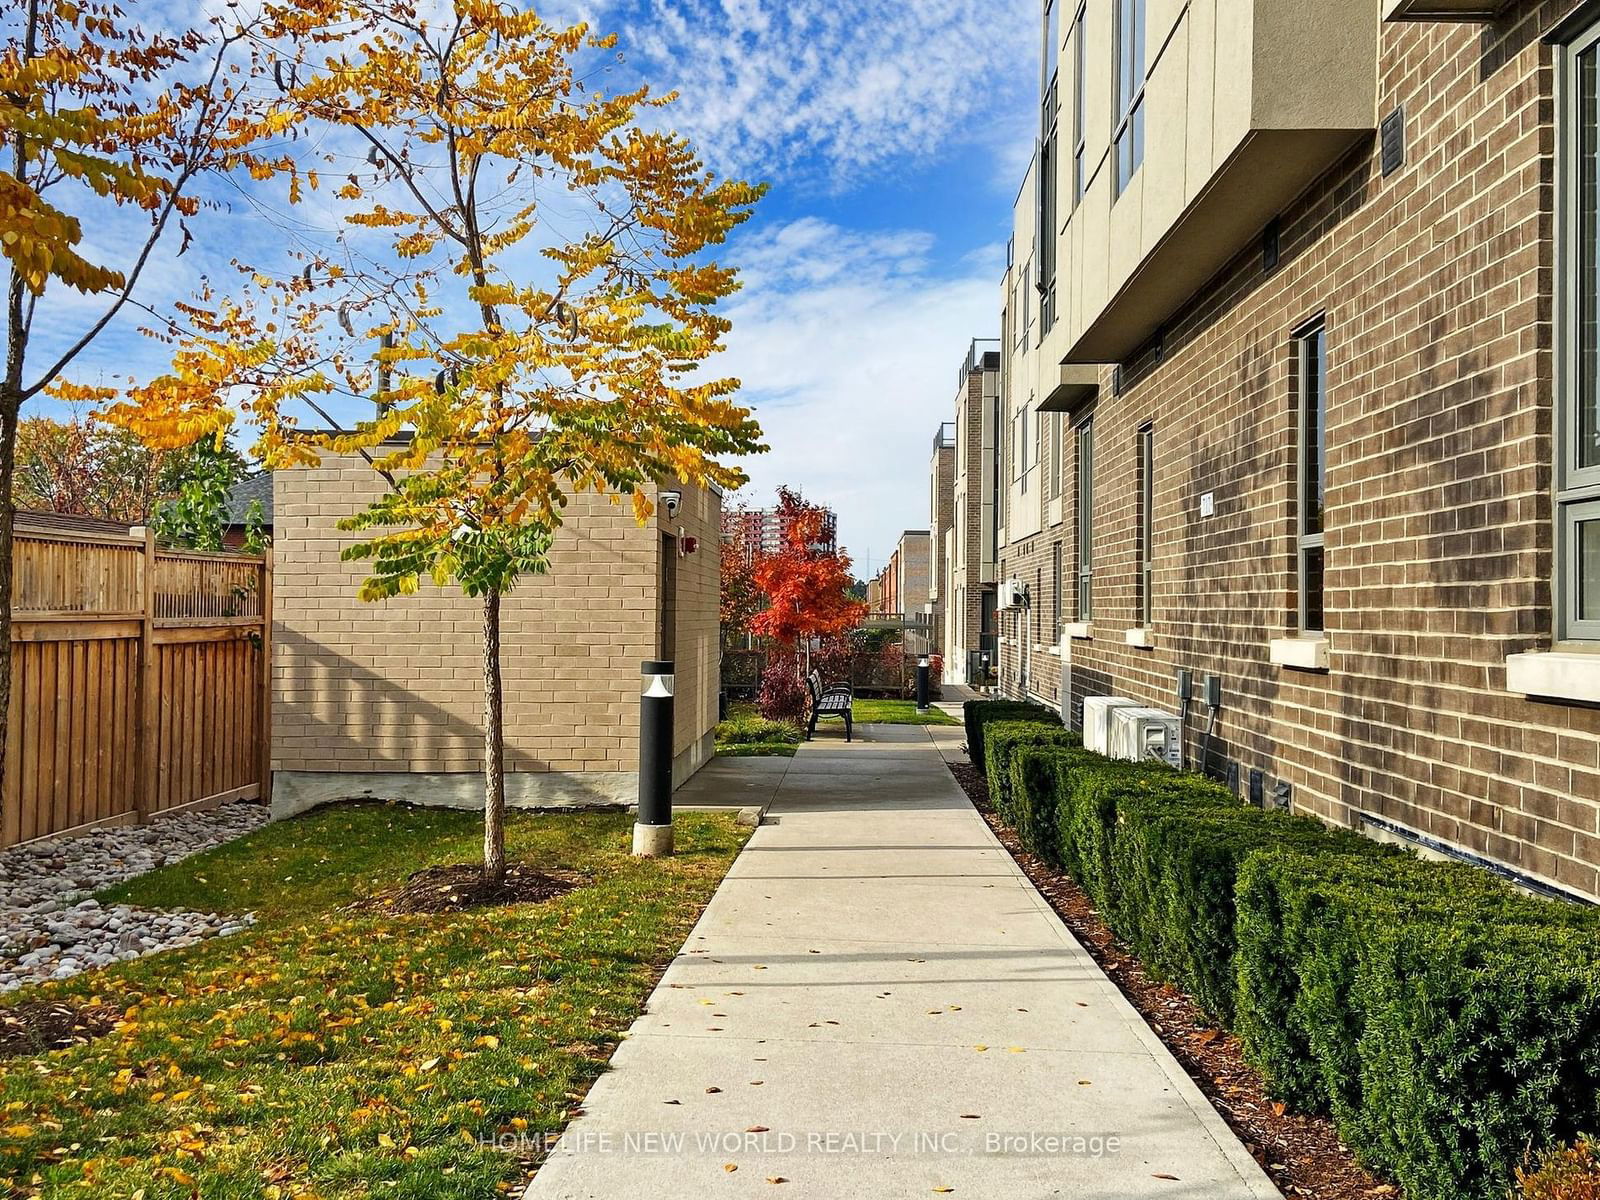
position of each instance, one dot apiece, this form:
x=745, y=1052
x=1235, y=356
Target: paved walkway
x=878, y=1004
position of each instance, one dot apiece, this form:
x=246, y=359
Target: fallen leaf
x=710, y=1090
x=776, y=1179
x=730, y=1167
x=1163, y=1175
x=756, y=1129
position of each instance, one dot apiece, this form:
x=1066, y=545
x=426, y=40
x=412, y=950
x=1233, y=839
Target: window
x=1577, y=591
x=1049, y=166
x=1128, y=140
x=1079, y=182
x=1056, y=431
x=1022, y=450
x=1145, y=582
x=1312, y=386
x=1085, y=520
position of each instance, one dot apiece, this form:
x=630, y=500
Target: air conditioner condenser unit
x=1097, y=712
x=1142, y=735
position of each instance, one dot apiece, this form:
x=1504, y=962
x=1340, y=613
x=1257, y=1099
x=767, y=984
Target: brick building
x=386, y=699
x=904, y=581
x=941, y=528
x=967, y=617
x=1300, y=391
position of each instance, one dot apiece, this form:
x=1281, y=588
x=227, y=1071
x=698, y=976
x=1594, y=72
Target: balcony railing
x=945, y=438
x=983, y=354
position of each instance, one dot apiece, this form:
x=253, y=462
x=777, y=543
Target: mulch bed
x=37, y=1026
x=1302, y=1154
x=461, y=886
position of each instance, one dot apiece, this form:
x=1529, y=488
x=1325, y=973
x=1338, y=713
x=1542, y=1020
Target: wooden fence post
x=266, y=677
x=144, y=787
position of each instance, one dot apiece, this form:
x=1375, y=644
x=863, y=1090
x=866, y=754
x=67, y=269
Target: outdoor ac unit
x=1009, y=594
x=1097, y=720
x=1142, y=734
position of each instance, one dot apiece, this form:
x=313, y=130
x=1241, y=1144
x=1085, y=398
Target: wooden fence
x=138, y=682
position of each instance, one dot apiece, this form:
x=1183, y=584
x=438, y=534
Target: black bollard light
x=922, y=684
x=652, y=830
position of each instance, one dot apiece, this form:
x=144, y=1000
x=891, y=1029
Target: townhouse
x=1300, y=393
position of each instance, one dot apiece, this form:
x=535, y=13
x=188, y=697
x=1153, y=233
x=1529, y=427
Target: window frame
x=1145, y=579
x=1083, y=531
x=1576, y=487
x=1080, y=73
x=1048, y=191
x=1130, y=116
x=1058, y=579
x=1312, y=333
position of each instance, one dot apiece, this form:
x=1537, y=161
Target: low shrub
x=1446, y=1021
x=783, y=695
x=1565, y=1173
x=1001, y=741
x=1032, y=791
x=757, y=731
x=975, y=714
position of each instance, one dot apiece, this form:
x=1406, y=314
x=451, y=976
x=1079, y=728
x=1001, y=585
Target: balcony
x=945, y=438
x=1245, y=104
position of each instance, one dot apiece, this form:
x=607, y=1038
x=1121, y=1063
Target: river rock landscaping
x=51, y=927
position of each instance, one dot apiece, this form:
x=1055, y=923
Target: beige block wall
x=394, y=688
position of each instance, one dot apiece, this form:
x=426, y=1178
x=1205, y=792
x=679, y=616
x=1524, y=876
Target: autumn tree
x=739, y=597
x=101, y=118
x=807, y=581
x=542, y=305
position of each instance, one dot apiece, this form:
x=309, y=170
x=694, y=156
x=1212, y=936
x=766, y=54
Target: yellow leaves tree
x=98, y=114
x=533, y=259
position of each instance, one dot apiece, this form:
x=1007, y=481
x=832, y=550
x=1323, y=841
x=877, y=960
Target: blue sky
x=894, y=137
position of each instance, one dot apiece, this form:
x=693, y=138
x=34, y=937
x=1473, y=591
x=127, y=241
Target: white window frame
x=1315, y=331
x=1577, y=487
x=1083, y=439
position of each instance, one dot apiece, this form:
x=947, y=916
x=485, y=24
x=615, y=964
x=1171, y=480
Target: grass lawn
x=898, y=712
x=333, y=1053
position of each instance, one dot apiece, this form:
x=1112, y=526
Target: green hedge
x=1446, y=1021
x=975, y=714
x=1001, y=741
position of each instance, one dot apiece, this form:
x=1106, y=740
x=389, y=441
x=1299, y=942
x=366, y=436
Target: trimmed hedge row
x=1446, y=1021
x=975, y=714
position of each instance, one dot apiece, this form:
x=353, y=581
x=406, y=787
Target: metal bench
x=834, y=700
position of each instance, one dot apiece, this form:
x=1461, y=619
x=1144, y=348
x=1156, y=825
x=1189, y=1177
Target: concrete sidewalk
x=877, y=1003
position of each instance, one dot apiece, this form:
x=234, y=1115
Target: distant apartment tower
x=965, y=611
x=760, y=531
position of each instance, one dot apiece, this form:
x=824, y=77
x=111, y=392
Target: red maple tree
x=807, y=583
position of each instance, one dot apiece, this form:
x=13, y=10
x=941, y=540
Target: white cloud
x=848, y=344
x=768, y=84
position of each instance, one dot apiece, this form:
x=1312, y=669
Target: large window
x=1128, y=140
x=1085, y=520
x=1311, y=358
x=1079, y=182
x=1049, y=165
x=1578, y=430
x=1145, y=581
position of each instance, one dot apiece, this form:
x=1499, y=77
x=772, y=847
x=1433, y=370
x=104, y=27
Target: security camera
x=670, y=502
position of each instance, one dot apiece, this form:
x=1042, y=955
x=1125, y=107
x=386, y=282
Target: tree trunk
x=10, y=410
x=494, y=747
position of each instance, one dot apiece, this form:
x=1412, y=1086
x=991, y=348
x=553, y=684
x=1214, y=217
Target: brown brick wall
x=1436, y=287
x=395, y=686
